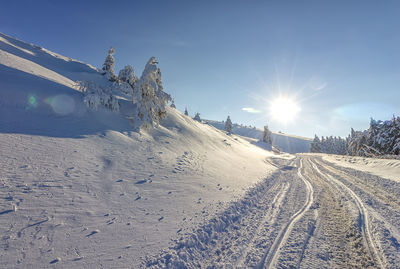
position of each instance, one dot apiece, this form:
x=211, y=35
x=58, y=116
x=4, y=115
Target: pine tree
x=267, y=135
x=316, y=145
x=108, y=66
x=126, y=81
x=173, y=104
x=228, y=125
x=186, y=112
x=197, y=117
x=127, y=74
x=149, y=95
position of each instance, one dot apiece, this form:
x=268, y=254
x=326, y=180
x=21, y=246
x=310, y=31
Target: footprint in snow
x=93, y=232
x=55, y=260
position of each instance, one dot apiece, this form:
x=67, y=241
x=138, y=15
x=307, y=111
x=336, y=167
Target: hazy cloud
x=251, y=110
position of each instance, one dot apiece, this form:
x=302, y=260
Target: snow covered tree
x=228, y=125
x=197, y=117
x=186, y=112
x=173, y=104
x=267, y=135
x=128, y=75
x=381, y=138
x=149, y=95
x=330, y=145
x=108, y=66
x=96, y=96
x=395, y=132
x=315, y=145
x=126, y=81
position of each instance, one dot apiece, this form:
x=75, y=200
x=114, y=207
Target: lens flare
x=32, y=101
x=61, y=104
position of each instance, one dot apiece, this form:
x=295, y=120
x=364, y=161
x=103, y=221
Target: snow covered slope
x=386, y=168
x=80, y=189
x=286, y=143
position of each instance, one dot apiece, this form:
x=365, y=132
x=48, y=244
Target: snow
x=92, y=192
x=23, y=65
x=386, y=168
x=82, y=188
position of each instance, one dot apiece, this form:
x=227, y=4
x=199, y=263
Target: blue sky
x=339, y=60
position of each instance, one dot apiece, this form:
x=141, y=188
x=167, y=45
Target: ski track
x=270, y=258
x=269, y=218
x=363, y=214
x=297, y=218
x=238, y=236
x=381, y=198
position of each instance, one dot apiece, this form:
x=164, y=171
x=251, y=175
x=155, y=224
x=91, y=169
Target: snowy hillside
x=82, y=189
x=286, y=143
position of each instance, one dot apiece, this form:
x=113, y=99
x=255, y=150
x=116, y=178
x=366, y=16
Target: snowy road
x=308, y=214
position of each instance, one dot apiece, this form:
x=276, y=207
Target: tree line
x=381, y=138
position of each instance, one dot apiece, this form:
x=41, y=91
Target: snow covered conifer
x=149, y=95
x=108, y=66
x=316, y=145
x=186, y=112
x=172, y=104
x=128, y=75
x=228, y=125
x=267, y=135
x=197, y=117
x=126, y=80
x=97, y=96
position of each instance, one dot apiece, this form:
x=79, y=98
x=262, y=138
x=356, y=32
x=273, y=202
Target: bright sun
x=284, y=109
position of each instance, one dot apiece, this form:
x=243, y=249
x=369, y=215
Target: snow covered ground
x=111, y=198
x=307, y=214
x=80, y=189
x=386, y=168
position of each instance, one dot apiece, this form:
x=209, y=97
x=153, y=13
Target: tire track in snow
x=363, y=214
x=382, y=193
x=382, y=202
x=269, y=218
x=270, y=258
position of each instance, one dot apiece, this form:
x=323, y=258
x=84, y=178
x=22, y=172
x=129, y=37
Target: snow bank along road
x=308, y=214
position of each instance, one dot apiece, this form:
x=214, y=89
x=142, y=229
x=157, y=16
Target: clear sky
x=338, y=60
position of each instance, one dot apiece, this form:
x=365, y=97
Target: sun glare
x=284, y=109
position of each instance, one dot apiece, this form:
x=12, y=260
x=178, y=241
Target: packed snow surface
x=79, y=188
